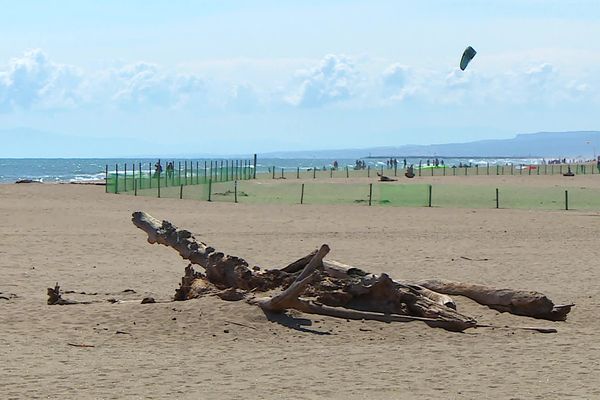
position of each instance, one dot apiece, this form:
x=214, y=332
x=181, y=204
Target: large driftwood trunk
x=314, y=285
x=343, y=293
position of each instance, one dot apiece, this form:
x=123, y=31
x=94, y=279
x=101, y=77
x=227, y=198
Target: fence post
x=370, y=192
x=529, y=172
x=347, y=172
x=116, y=178
x=432, y=170
x=106, y=179
x=429, y=203
x=209, y=188
x=180, y=192
x=521, y=170
x=282, y=177
x=465, y=171
x=368, y=172
x=497, y=199
x=158, y=180
x=476, y=169
x=512, y=169
x=135, y=187
x=125, y=177
x=273, y=172
x=566, y=199
x=444, y=173
x=297, y=172
x=254, y=171
x=235, y=191
x=302, y=195
x=314, y=173
x=419, y=167
x=331, y=172
x=395, y=167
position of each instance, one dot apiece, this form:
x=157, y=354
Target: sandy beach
x=211, y=349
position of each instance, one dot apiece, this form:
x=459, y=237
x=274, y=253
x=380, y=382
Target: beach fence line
x=384, y=194
x=315, y=172
x=162, y=176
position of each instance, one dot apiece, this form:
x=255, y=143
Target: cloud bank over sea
x=34, y=81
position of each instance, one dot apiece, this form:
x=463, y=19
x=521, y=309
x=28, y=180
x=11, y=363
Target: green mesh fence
x=142, y=180
x=425, y=171
x=382, y=194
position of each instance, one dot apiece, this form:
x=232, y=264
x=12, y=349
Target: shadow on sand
x=298, y=324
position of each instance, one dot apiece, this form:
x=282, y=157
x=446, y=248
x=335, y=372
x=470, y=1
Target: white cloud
x=143, y=84
x=333, y=80
x=400, y=82
x=538, y=85
x=33, y=80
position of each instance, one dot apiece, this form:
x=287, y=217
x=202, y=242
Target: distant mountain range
x=580, y=144
x=25, y=142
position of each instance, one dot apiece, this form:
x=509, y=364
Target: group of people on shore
x=170, y=169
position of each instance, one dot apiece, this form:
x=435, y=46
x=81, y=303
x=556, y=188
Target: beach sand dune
x=208, y=348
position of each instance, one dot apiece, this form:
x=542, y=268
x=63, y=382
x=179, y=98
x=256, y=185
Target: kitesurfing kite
x=467, y=56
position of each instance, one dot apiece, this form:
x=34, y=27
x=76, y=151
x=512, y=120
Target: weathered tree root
x=326, y=287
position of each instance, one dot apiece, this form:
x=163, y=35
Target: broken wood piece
x=55, y=298
x=80, y=345
x=343, y=271
x=519, y=302
x=525, y=328
x=383, y=178
x=289, y=297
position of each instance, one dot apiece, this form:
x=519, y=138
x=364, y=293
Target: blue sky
x=256, y=76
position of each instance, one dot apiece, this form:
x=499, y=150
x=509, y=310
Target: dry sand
x=84, y=239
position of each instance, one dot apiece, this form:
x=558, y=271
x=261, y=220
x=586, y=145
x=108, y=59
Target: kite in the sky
x=467, y=56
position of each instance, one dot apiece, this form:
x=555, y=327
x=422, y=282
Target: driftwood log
x=519, y=302
x=317, y=286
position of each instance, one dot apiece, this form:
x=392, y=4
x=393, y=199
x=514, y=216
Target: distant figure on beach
x=170, y=169
x=157, y=168
x=410, y=173
x=598, y=164
x=569, y=172
x=335, y=165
